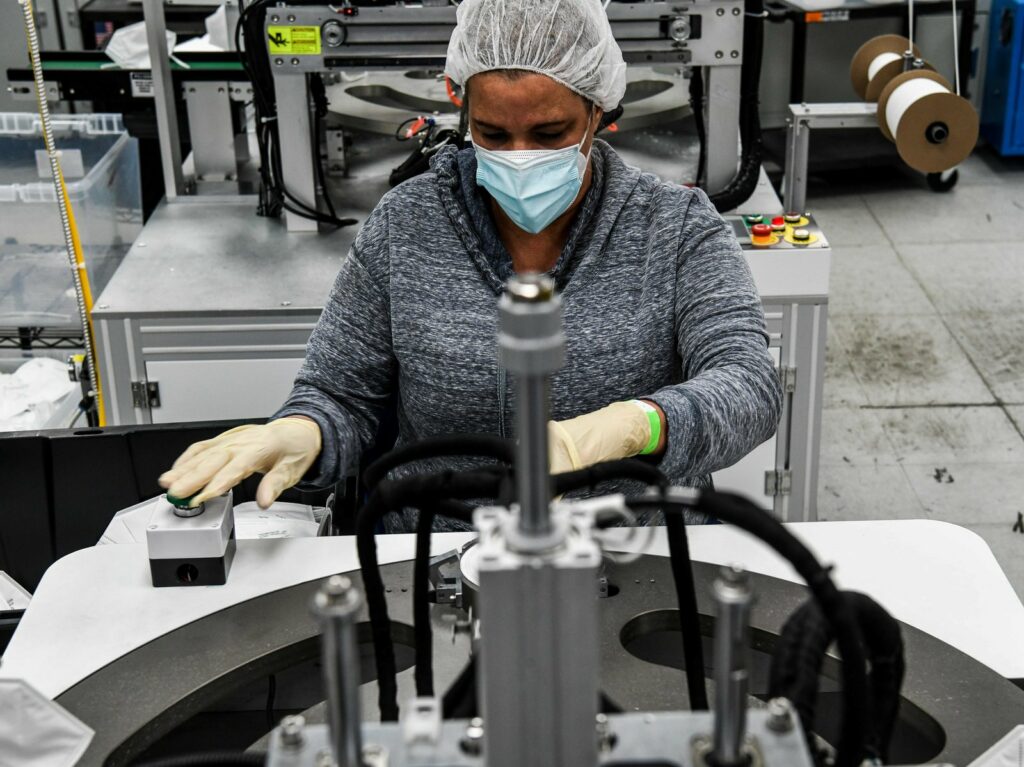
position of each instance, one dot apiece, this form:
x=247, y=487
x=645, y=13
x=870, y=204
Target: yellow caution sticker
x=294, y=41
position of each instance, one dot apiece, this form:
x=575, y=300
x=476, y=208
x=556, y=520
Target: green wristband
x=655, y=421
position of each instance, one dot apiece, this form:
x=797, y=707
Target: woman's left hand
x=621, y=430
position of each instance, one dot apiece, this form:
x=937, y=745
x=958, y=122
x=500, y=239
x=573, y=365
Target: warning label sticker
x=294, y=41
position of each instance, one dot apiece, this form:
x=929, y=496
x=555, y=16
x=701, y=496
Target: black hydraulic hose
x=421, y=591
x=483, y=445
x=801, y=650
x=626, y=468
x=747, y=516
x=884, y=644
x=209, y=759
x=424, y=638
x=415, y=491
x=745, y=181
x=796, y=665
x=697, y=106
x=689, y=617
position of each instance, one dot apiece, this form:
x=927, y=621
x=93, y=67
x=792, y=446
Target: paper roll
x=869, y=73
x=905, y=96
x=880, y=61
x=933, y=128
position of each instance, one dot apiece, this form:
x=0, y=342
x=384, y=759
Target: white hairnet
x=570, y=41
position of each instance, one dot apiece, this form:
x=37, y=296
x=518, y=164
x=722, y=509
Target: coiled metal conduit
x=83, y=294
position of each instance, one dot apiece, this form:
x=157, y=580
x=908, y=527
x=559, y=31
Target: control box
x=191, y=546
x=789, y=231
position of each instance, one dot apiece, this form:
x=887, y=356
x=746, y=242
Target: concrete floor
x=924, y=387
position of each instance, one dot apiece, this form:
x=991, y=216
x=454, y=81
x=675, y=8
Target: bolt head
x=720, y=12
x=734, y=574
x=336, y=597
x=531, y=288
x=780, y=715
x=472, y=741
x=292, y=729
x=719, y=54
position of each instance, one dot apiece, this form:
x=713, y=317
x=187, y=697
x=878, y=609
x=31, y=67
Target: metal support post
x=802, y=118
x=722, y=118
x=165, y=98
x=532, y=346
x=794, y=182
x=732, y=641
x=211, y=130
x=298, y=145
x=335, y=606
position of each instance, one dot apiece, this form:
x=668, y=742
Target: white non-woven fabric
x=129, y=48
x=35, y=731
x=570, y=41
x=29, y=396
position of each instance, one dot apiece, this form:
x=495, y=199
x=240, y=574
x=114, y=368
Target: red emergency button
x=778, y=221
x=761, y=234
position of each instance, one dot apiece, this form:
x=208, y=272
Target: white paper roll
x=880, y=61
x=905, y=96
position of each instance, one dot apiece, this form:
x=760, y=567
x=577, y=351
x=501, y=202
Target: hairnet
x=570, y=41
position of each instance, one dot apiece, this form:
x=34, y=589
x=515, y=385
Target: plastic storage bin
x=100, y=162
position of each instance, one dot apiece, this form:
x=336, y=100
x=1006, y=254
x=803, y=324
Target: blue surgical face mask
x=533, y=186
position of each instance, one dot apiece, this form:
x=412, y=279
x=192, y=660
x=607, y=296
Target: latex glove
x=281, y=450
x=620, y=430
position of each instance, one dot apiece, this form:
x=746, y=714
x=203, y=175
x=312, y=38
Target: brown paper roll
x=884, y=75
x=893, y=84
x=937, y=112
x=868, y=52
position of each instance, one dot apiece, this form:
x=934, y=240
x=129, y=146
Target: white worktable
x=97, y=604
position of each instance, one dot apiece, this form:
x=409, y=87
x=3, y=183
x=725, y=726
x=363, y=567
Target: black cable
x=745, y=181
x=271, y=696
x=482, y=445
x=418, y=491
x=800, y=653
x=589, y=477
x=424, y=637
x=209, y=759
x=689, y=617
x=796, y=666
x=697, y=106
x=747, y=516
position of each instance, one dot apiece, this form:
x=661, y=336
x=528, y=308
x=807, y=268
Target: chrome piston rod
x=733, y=601
x=532, y=347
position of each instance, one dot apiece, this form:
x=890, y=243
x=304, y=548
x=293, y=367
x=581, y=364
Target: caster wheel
x=942, y=182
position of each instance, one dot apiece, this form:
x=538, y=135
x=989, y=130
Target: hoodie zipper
x=502, y=389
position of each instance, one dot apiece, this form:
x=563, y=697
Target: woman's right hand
x=282, y=450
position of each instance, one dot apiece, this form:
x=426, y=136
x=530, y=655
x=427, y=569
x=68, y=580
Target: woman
x=660, y=312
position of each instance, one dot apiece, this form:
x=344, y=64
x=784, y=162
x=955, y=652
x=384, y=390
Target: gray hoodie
x=658, y=303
